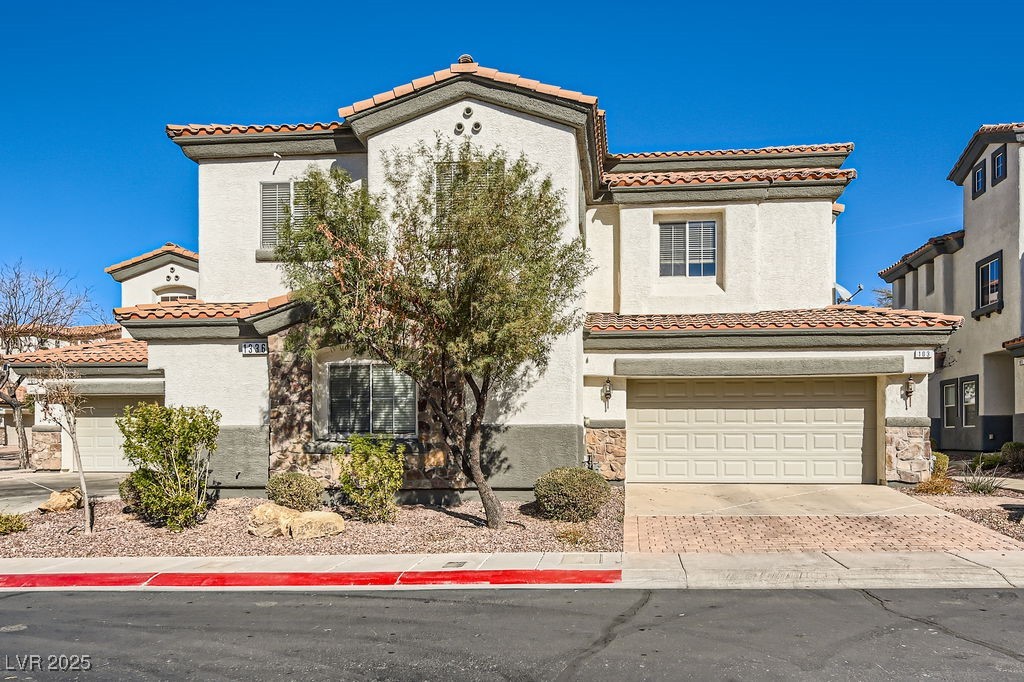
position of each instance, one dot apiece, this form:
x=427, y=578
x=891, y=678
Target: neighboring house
x=36, y=339
x=977, y=391
x=711, y=352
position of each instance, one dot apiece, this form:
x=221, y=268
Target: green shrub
x=171, y=447
x=1013, y=456
x=980, y=481
x=371, y=474
x=12, y=523
x=128, y=490
x=571, y=494
x=940, y=466
x=295, y=490
x=987, y=461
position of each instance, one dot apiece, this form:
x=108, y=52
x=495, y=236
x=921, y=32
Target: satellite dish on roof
x=843, y=294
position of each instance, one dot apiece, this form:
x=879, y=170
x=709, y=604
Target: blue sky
x=88, y=178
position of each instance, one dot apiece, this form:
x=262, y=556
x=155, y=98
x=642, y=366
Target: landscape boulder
x=315, y=524
x=270, y=520
x=62, y=501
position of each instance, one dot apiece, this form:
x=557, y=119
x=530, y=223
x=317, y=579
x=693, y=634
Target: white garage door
x=751, y=430
x=99, y=439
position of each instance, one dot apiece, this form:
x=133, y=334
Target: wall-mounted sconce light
x=606, y=390
x=908, y=389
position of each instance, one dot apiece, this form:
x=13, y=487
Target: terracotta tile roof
x=831, y=148
x=169, y=247
x=934, y=241
x=91, y=331
x=727, y=177
x=194, y=309
x=832, y=317
x=464, y=68
x=116, y=352
x=201, y=129
x=1014, y=343
x=960, y=170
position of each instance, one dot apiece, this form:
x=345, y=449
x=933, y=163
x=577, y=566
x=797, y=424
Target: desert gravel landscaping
x=418, y=529
x=1001, y=512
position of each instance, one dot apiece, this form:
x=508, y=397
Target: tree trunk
x=492, y=508
x=19, y=427
x=73, y=433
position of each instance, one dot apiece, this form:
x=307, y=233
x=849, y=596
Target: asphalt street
x=23, y=492
x=516, y=635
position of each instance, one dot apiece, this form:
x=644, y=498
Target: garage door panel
x=793, y=430
x=99, y=440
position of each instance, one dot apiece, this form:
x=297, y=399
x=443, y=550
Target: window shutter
x=274, y=196
x=299, y=207
x=394, y=401
x=350, y=398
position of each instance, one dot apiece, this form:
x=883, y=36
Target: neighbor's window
x=990, y=283
x=370, y=398
x=998, y=165
x=949, y=406
x=276, y=198
x=969, y=391
x=689, y=249
x=978, y=180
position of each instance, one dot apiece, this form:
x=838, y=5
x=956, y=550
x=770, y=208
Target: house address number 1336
x=254, y=348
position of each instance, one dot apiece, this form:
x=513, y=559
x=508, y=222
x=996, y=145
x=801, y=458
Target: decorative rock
x=270, y=520
x=315, y=524
x=63, y=501
x=434, y=459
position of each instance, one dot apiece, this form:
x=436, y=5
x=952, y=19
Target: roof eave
x=979, y=141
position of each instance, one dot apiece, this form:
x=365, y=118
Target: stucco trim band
x=751, y=367
x=605, y=423
x=120, y=386
x=908, y=421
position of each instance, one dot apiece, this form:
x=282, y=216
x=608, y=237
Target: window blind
x=350, y=398
x=688, y=249
x=274, y=197
x=368, y=398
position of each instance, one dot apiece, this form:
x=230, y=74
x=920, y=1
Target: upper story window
x=689, y=249
x=276, y=198
x=978, y=180
x=989, y=285
x=998, y=165
x=370, y=398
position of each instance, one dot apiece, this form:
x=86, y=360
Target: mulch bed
x=418, y=529
x=1004, y=516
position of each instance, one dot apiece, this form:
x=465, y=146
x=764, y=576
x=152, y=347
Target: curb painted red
x=306, y=579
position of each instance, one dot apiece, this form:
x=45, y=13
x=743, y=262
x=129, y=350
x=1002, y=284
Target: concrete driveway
x=760, y=518
x=21, y=493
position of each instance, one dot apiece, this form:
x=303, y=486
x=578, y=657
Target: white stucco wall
x=229, y=222
x=602, y=231
x=771, y=256
x=215, y=374
x=146, y=287
x=553, y=397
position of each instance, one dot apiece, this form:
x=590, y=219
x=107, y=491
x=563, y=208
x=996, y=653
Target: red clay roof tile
x=470, y=68
x=201, y=129
x=195, y=309
x=934, y=241
x=1014, y=343
x=727, y=177
x=831, y=148
x=832, y=317
x=115, y=352
x=169, y=247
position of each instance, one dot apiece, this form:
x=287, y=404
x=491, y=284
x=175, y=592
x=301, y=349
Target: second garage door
x=819, y=430
x=99, y=439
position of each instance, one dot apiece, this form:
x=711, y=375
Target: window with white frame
x=367, y=398
x=688, y=249
x=276, y=199
x=978, y=180
x=969, y=392
x=950, y=409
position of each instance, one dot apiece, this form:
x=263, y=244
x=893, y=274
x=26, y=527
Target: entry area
x=99, y=439
x=783, y=430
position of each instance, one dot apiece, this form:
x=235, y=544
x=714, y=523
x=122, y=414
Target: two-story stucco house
x=712, y=350
x=977, y=390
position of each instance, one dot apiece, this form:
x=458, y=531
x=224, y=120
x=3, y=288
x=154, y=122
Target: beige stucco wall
x=771, y=256
x=215, y=374
x=552, y=397
x=147, y=287
x=229, y=222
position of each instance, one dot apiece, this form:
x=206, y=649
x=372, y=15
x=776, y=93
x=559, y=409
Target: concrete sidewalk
x=803, y=570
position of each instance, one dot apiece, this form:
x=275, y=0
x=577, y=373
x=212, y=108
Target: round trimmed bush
x=571, y=494
x=1013, y=456
x=128, y=490
x=297, y=491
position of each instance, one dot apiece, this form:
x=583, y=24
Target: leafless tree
x=35, y=306
x=62, y=402
x=883, y=297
